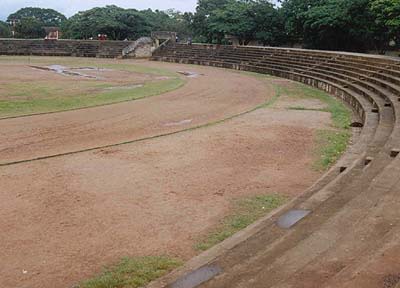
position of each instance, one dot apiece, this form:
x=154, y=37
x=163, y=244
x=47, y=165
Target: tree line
x=348, y=25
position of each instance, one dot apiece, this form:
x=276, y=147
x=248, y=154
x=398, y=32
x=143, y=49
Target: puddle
x=190, y=74
x=183, y=122
x=128, y=87
x=197, y=277
x=292, y=217
x=63, y=71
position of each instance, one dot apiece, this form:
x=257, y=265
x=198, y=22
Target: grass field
x=24, y=90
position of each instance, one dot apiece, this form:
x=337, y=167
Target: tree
x=293, y=11
x=200, y=23
x=48, y=17
x=270, y=24
x=5, y=31
x=116, y=22
x=170, y=20
x=236, y=18
x=339, y=25
x=29, y=28
x=387, y=22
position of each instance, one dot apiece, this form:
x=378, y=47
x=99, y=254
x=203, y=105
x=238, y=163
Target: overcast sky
x=70, y=7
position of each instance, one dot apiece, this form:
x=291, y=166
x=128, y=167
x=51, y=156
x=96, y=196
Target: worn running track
x=208, y=98
x=63, y=218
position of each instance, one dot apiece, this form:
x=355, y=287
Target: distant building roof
x=51, y=29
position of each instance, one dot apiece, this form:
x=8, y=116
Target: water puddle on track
x=291, y=217
x=197, y=277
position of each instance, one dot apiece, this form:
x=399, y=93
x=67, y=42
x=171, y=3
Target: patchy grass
x=245, y=212
x=331, y=143
x=132, y=273
x=87, y=99
x=341, y=115
x=24, y=97
x=139, y=69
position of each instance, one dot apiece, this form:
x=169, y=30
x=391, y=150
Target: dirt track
x=210, y=97
x=62, y=219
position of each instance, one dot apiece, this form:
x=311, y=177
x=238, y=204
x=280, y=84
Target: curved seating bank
x=76, y=48
x=350, y=216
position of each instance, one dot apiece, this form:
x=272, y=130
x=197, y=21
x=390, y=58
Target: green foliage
x=30, y=28
x=387, y=22
x=48, y=17
x=116, y=22
x=30, y=21
x=170, y=20
x=201, y=20
x=349, y=25
x=338, y=25
x=235, y=18
x=132, y=273
x=293, y=11
x=5, y=31
x=119, y=24
x=245, y=212
x=270, y=24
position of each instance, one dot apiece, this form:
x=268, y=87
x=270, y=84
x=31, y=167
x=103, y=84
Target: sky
x=70, y=7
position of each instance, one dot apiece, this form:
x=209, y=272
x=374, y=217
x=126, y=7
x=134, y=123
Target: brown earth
x=63, y=219
x=215, y=95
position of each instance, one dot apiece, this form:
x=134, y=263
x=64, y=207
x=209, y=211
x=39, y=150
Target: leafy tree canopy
x=29, y=28
x=352, y=25
x=48, y=17
x=5, y=31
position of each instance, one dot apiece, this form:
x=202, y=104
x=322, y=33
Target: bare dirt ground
x=214, y=95
x=63, y=219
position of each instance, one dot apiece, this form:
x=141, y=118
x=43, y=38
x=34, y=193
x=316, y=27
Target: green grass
x=139, y=69
x=245, y=212
x=132, y=273
x=62, y=103
x=341, y=115
x=331, y=143
x=24, y=98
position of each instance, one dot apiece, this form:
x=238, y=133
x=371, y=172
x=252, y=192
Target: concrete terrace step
x=92, y=48
x=342, y=203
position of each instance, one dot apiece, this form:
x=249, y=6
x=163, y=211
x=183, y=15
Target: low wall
x=77, y=48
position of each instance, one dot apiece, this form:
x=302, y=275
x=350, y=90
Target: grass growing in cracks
x=132, y=272
x=331, y=143
x=245, y=212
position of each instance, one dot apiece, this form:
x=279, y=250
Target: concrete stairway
x=350, y=236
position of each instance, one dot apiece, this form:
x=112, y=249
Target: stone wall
x=141, y=48
x=77, y=48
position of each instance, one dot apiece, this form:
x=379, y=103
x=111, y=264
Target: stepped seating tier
x=342, y=202
x=76, y=48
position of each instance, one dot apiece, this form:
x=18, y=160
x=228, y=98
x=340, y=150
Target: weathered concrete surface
x=77, y=48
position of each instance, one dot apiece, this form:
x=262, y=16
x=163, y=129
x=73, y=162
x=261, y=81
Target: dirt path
x=214, y=95
x=63, y=219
